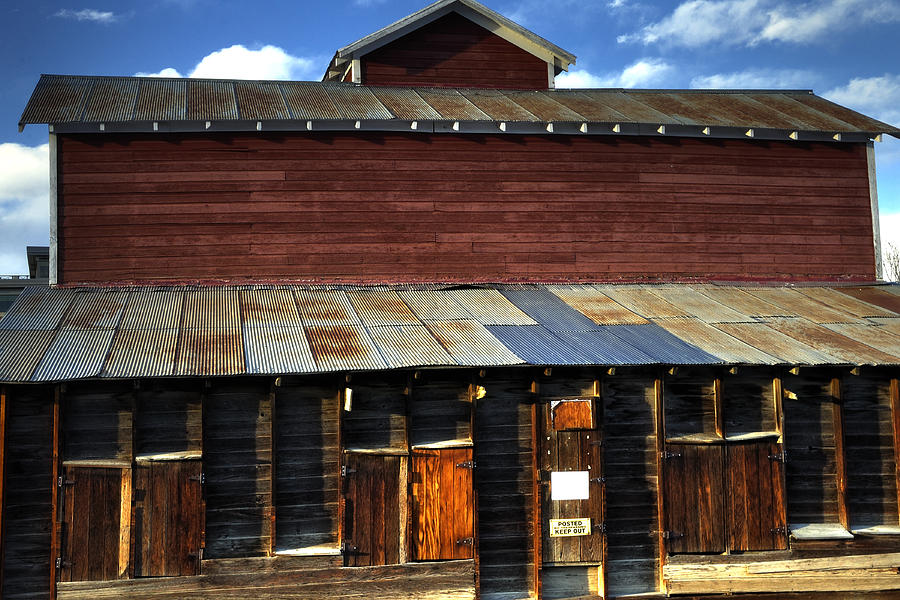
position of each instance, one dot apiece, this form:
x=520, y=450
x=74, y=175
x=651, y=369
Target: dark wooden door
x=371, y=510
x=694, y=498
x=756, y=497
x=442, y=504
x=567, y=451
x=92, y=515
x=168, y=519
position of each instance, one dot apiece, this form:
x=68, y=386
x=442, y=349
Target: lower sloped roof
x=60, y=334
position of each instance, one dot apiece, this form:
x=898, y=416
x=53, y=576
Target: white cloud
x=647, y=72
x=239, y=62
x=749, y=22
x=24, y=203
x=758, y=79
x=877, y=97
x=88, y=14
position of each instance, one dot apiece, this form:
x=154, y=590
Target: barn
x=432, y=328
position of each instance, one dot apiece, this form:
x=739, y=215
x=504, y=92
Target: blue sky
x=845, y=50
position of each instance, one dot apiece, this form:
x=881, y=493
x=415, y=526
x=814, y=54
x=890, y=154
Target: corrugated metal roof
x=142, y=353
x=596, y=306
x=604, y=347
x=269, y=309
x=409, y=346
x=343, y=348
x=879, y=296
x=796, y=303
x=832, y=343
x=548, y=310
x=743, y=302
x=37, y=307
x=212, y=308
x=875, y=337
x=277, y=350
x=21, y=351
x=74, y=354
x=325, y=308
x=134, y=103
x=432, y=305
x=490, y=307
x=844, y=302
x=471, y=344
x=716, y=342
x=153, y=310
x=210, y=351
x=381, y=308
x=536, y=345
x=789, y=350
x=661, y=346
x=639, y=300
x=889, y=325
x=95, y=310
x=698, y=305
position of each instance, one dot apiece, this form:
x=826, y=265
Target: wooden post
x=273, y=546
x=125, y=525
x=839, y=458
x=536, y=490
x=719, y=407
x=339, y=406
x=660, y=477
x=599, y=418
x=404, y=487
x=55, y=517
x=895, y=417
x=4, y=399
x=476, y=546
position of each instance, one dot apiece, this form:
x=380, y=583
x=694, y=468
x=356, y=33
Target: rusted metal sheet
x=698, y=305
x=95, y=310
x=309, y=101
x=889, y=325
x=765, y=114
x=433, y=305
x=38, y=307
x=728, y=109
x=841, y=347
x=381, y=308
x=638, y=300
x=716, y=342
x=343, y=348
x=452, y=105
x=497, y=105
x=21, y=351
x=797, y=111
x=325, y=308
x=356, y=102
x=857, y=121
x=210, y=351
x=269, y=309
x=876, y=295
x=742, y=302
x=543, y=106
x=585, y=104
x=217, y=308
x=409, y=346
x=57, y=99
x=875, y=336
x=142, y=353
x=404, y=103
x=661, y=346
x=798, y=304
x=153, y=310
x=629, y=105
x=111, y=99
x=490, y=307
x=260, y=101
x=835, y=299
x=75, y=354
x=788, y=350
x=470, y=344
x=676, y=108
x=277, y=350
x=597, y=306
x=161, y=100
x=209, y=99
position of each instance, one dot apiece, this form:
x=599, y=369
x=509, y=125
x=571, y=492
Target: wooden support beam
x=473, y=404
x=660, y=477
x=895, y=418
x=339, y=408
x=4, y=399
x=273, y=546
x=537, y=535
x=267, y=409
x=840, y=459
x=125, y=561
x=55, y=516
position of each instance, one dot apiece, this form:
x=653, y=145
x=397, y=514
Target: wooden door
x=572, y=451
x=757, y=519
x=442, y=504
x=694, y=498
x=92, y=523
x=168, y=518
x=371, y=510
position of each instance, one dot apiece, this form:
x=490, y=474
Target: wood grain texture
x=92, y=523
x=573, y=414
x=460, y=208
x=372, y=510
x=695, y=498
x=442, y=504
x=756, y=515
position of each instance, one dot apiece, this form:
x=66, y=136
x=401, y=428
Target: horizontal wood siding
x=168, y=417
x=440, y=409
x=377, y=416
x=452, y=51
x=97, y=421
x=371, y=207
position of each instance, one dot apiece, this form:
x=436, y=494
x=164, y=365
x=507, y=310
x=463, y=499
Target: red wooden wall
x=368, y=207
x=453, y=51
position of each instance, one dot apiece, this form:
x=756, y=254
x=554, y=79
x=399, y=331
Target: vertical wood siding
x=454, y=52
x=372, y=513
x=389, y=206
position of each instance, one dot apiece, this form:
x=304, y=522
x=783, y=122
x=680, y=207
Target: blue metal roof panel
x=38, y=307
x=603, y=347
x=538, y=346
x=549, y=310
x=662, y=346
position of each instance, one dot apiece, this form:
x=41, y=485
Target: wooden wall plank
x=840, y=457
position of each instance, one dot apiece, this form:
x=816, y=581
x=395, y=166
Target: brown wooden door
x=566, y=451
x=371, y=510
x=442, y=504
x=694, y=498
x=168, y=519
x=92, y=520
x=756, y=497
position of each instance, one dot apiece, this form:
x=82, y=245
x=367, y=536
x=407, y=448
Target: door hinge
x=780, y=457
x=465, y=542
x=778, y=530
x=672, y=535
x=469, y=464
x=347, y=548
x=598, y=480
x=61, y=482
x=201, y=478
x=62, y=564
x=602, y=527
x=666, y=454
x=346, y=471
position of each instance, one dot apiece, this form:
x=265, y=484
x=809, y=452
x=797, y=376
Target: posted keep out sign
x=569, y=527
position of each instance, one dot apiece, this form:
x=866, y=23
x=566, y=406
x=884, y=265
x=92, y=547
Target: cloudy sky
x=845, y=50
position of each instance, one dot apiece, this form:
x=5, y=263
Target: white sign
x=569, y=485
x=569, y=527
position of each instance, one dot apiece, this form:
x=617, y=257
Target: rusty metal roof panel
x=490, y=307
x=405, y=103
x=111, y=99
x=273, y=308
x=96, y=309
x=538, y=346
x=589, y=105
x=38, y=307
x=277, y=350
x=888, y=325
x=325, y=308
x=210, y=351
x=698, y=305
x=856, y=121
x=841, y=347
x=677, y=108
x=595, y=305
x=217, y=308
x=875, y=336
x=742, y=301
x=833, y=298
x=628, y=105
x=355, y=102
x=153, y=310
x=75, y=354
x=434, y=305
x=161, y=100
x=716, y=342
x=57, y=99
x=142, y=353
x=796, y=304
x=21, y=351
x=543, y=105
x=409, y=346
x=733, y=110
x=640, y=301
x=469, y=343
x=211, y=99
x=877, y=295
x=788, y=350
x=452, y=105
x=794, y=107
x=309, y=101
x=497, y=105
x=260, y=101
x=343, y=348
x=381, y=308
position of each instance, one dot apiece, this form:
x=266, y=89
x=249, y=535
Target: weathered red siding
x=453, y=51
x=405, y=207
